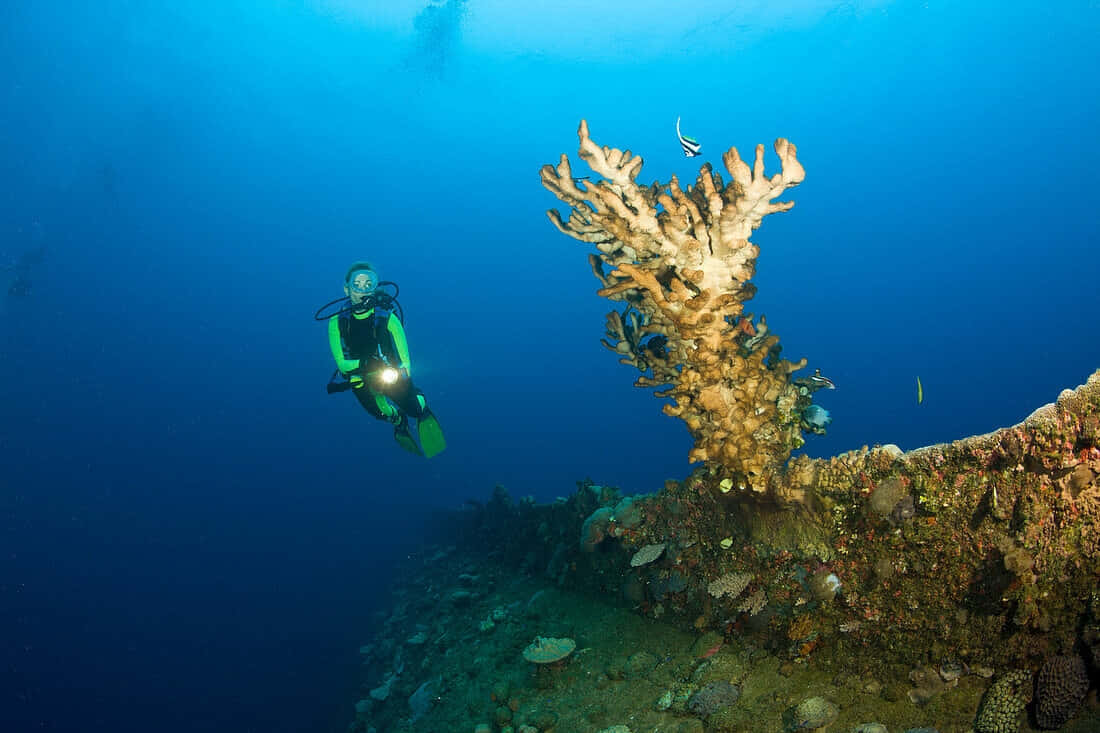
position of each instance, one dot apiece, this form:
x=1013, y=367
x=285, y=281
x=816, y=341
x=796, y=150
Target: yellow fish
x=920, y=392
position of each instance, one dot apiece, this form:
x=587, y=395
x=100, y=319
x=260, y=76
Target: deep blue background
x=194, y=536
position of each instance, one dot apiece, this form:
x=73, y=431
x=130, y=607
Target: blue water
x=194, y=535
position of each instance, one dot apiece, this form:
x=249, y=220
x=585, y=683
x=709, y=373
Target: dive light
x=389, y=375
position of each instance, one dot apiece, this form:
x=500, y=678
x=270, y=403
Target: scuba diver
x=367, y=337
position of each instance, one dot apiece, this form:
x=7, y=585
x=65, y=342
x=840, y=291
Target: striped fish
x=690, y=145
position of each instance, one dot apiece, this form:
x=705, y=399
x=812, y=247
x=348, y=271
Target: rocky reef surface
x=952, y=587
x=453, y=652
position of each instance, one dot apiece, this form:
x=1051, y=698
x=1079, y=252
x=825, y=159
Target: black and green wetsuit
x=363, y=344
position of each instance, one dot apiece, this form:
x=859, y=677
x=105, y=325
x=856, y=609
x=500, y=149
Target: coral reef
x=991, y=565
x=681, y=261
x=898, y=621
x=912, y=578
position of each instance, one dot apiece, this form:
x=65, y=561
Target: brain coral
x=1060, y=689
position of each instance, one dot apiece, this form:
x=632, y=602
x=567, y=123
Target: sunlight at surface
x=580, y=29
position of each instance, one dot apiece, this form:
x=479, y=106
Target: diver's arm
x=336, y=344
x=397, y=331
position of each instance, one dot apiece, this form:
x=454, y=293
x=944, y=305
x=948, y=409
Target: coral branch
x=682, y=261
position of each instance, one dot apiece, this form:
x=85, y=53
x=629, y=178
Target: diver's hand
x=356, y=380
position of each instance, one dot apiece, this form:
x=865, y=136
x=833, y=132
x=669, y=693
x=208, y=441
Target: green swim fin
x=404, y=438
x=431, y=435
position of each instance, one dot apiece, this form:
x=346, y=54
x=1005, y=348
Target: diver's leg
x=403, y=434
x=376, y=404
x=411, y=401
x=381, y=407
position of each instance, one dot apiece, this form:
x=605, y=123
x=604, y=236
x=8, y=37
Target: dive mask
x=363, y=282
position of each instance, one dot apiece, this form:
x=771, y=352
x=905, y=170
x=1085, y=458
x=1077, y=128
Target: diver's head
x=360, y=282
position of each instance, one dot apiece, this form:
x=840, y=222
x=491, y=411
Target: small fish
x=711, y=652
x=816, y=418
x=578, y=179
x=690, y=145
x=920, y=392
x=825, y=382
